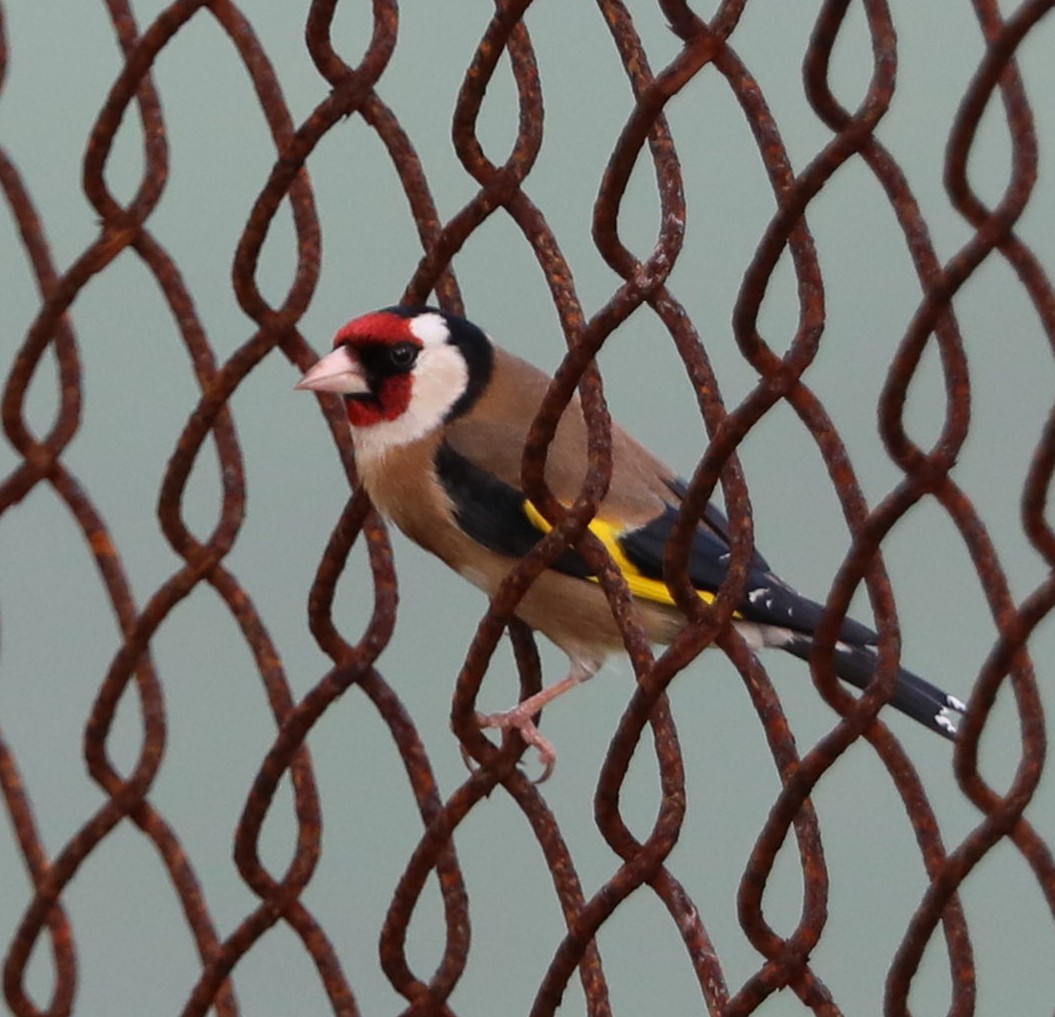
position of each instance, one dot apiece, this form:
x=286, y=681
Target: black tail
x=913, y=696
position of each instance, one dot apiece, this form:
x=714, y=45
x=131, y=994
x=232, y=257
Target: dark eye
x=402, y=355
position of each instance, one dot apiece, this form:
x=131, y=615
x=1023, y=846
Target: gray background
x=59, y=636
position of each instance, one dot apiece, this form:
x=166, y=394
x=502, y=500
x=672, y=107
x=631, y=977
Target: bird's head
x=404, y=371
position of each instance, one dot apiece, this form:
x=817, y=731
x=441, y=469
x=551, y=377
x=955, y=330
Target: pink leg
x=520, y=717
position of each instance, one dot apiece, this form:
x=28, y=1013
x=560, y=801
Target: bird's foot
x=519, y=718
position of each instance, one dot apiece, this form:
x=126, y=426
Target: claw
x=520, y=716
x=520, y=719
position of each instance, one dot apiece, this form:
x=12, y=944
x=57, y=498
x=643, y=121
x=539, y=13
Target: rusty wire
x=782, y=377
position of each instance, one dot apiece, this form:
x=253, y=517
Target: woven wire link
x=704, y=45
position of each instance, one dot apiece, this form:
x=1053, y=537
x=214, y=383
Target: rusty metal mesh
x=782, y=378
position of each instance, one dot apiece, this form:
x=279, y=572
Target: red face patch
x=369, y=339
x=393, y=398
x=378, y=327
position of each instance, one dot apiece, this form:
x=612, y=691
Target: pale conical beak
x=338, y=371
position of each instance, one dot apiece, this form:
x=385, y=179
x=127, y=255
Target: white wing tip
x=949, y=716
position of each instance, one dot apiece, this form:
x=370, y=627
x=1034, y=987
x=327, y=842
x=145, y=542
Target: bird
x=439, y=416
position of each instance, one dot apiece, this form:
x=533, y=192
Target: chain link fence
x=135, y=679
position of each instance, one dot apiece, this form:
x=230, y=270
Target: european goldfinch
x=439, y=416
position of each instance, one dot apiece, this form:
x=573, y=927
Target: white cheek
x=438, y=380
x=440, y=377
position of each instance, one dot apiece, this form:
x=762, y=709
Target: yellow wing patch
x=640, y=585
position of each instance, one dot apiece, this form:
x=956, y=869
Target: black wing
x=496, y=515
x=768, y=599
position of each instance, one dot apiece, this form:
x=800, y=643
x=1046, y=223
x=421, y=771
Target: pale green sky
x=59, y=636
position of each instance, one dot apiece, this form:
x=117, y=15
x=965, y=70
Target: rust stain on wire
x=706, y=51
